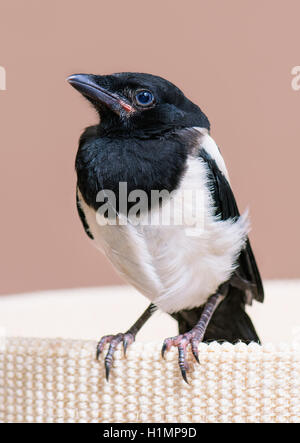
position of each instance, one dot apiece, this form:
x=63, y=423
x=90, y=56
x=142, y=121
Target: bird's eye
x=144, y=98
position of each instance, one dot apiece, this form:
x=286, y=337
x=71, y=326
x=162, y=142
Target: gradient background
x=233, y=58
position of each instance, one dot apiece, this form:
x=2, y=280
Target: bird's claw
x=127, y=338
x=181, y=342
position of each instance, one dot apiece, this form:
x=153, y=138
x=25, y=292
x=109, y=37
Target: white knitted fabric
x=45, y=380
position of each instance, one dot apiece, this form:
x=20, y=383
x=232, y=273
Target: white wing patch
x=210, y=146
x=174, y=270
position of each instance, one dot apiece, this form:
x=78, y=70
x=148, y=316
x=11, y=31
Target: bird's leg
x=194, y=336
x=127, y=338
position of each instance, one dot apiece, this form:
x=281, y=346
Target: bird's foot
x=127, y=338
x=193, y=338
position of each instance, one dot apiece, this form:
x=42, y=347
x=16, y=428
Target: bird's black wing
x=247, y=274
x=82, y=217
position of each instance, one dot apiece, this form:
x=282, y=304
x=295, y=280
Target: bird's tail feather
x=230, y=321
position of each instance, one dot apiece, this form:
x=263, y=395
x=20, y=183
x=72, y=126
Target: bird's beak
x=87, y=85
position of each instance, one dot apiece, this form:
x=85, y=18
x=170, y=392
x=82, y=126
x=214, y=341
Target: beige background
x=234, y=58
x=94, y=314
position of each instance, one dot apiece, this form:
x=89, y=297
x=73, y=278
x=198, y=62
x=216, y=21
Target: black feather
x=225, y=208
x=82, y=218
x=229, y=323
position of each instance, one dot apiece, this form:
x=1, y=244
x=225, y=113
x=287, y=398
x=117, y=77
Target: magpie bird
x=151, y=137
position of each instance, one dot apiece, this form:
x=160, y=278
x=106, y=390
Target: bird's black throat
x=153, y=163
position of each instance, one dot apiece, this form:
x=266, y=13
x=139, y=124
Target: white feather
x=208, y=143
x=174, y=269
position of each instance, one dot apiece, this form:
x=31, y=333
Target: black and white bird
x=153, y=138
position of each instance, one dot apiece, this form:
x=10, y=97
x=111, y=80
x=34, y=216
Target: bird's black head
x=142, y=104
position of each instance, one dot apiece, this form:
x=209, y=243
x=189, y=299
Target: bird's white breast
x=177, y=266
